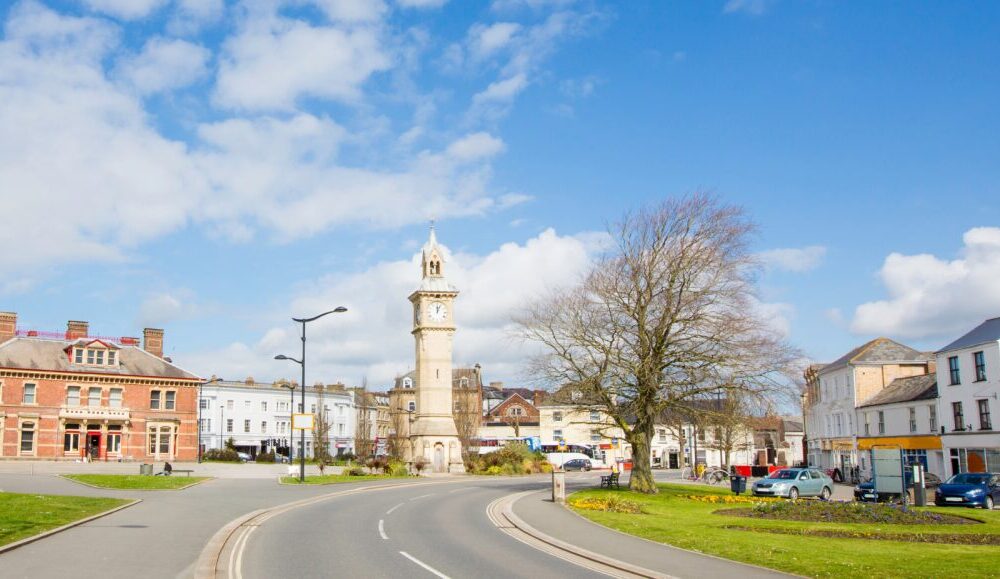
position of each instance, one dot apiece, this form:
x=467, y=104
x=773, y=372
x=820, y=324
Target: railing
x=121, y=340
x=94, y=413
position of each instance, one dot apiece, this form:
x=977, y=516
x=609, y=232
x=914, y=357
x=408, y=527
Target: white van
x=558, y=458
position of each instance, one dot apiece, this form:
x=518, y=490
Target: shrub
x=355, y=471
x=492, y=470
x=511, y=459
x=266, y=457
x=221, y=455
x=400, y=469
x=419, y=464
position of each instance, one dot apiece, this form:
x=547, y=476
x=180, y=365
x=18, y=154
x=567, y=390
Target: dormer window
x=95, y=355
x=463, y=383
x=78, y=355
x=407, y=382
x=111, y=357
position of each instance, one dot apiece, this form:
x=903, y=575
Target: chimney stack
x=152, y=341
x=8, y=325
x=76, y=330
x=496, y=385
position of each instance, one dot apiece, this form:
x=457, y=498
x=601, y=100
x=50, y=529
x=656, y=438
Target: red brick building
x=70, y=396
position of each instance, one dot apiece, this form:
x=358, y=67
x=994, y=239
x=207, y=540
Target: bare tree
x=321, y=450
x=665, y=316
x=364, y=443
x=729, y=420
x=468, y=417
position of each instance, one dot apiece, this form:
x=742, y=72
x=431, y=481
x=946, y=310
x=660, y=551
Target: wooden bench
x=609, y=480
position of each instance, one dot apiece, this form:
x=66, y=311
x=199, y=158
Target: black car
x=577, y=464
x=866, y=490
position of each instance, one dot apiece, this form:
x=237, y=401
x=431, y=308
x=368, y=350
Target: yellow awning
x=905, y=442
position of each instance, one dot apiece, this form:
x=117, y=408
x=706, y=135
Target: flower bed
x=609, y=504
x=732, y=499
x=941, y=538
x=847, y=512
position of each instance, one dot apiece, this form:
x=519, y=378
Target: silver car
x=794, y=483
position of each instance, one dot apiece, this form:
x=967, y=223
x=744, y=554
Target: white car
x=245, y=457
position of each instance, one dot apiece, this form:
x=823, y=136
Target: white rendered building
x=257, y=416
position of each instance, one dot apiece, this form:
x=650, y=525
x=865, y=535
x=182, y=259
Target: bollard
x=558, y=486
x=919, y=486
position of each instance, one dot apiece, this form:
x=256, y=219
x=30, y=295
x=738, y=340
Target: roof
x=50, y=355
x=988, y=331
x=909, y=389
x=564, y=396
x=434, y=283
x=879, y=351
x=475, y=380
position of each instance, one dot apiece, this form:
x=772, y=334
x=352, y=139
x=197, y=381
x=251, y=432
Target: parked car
x=577, y=464
x=794, y=483
x=969, y=489
x=866, y=490
x=244, y=457
x=558, y=459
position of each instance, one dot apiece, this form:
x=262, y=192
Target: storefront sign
x=303, y=422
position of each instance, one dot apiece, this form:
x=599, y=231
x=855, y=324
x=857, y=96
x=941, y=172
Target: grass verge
x=23, y=516
x=332, y=479
x=805, y=548
x=136, y=482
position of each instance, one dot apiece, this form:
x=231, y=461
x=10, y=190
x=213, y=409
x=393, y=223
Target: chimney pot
x=152, y=341
x=76, y=329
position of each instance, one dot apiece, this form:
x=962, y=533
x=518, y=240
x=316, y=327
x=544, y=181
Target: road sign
x=303, y=422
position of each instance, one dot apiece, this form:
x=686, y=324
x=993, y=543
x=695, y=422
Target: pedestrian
x=167, y=469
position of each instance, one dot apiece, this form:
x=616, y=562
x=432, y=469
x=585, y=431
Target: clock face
x=437, y=312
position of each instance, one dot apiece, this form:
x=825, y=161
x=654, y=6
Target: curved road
x=422, y=531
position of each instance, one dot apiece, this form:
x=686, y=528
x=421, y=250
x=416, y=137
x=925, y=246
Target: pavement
x=213, y=469
x=419, y=527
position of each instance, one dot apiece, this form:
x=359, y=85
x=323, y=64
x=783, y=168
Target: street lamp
x=291, y=406
x=212, y=380
x=804, y=398
x=302, y=363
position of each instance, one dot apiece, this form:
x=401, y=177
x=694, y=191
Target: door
x=439, y=463
x=94, y=445
x=807, y=486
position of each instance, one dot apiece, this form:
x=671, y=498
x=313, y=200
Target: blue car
x=969, y=489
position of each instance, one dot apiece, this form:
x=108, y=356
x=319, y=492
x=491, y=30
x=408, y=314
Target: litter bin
x=146, y=469
x=738, y=484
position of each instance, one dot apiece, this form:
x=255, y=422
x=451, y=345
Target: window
x=27, y=438
x=340, y=429
x=78, y=355
x=840, y=424
x=246, y=404
x=115, y=398
x=956, y=411
x=229, y=425
x=246, y=425
x=407, y=382
x=263, y=406
x=980, y=361
x=595, y=435
x=169, y=402
x=90, y=356
x=411, y=406
x=93, y=397
x=73, y=396
x=29, y=396
x=100, y=358
x=203, y=403
x=263, y=427
x=463, y=383
x=557, y=416
x=515, y=411
x=661, y=434
x=557, y=433
x=984, y=415
x=701, y=435
x=881, y=422
x=933, y=414
x=111, y=358
x=868, y=427
x=595, y=415
x=206, y=425
x=913, y=419
x=956, y=378
x=229, y=404
x=71, y=438
x=312, y=409
x=154, y=399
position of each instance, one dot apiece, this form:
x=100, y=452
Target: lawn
x=22, y=516
x=332, y=479
x=136, y=482
x=671, y=517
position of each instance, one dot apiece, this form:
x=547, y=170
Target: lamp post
x=291, y=408
x=302, y=363
x=212, y=380
x=803, y=397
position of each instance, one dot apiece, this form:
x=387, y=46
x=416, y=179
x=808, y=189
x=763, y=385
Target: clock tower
x=433, y=434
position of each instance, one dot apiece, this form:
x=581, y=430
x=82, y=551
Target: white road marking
x=424, y=565
x=381, y=530
x=389, y=512
x=423, y=497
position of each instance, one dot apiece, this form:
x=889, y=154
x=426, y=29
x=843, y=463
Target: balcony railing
x=93, y=413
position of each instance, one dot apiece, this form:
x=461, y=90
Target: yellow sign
x=904, y=442
x=303, y=422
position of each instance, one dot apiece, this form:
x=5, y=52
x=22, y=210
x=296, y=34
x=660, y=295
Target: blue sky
x=214, y=168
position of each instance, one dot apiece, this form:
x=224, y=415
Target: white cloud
x=373, y=338
x=352, y=10
x=274, y=61
x=192, y=15
x=930, y=297
x=484, y=41
x=160, y=309
x=475, y=146
x=164, y=64
x=502, y=90
x=794, y=259
x=124, y=9
x=752, y=7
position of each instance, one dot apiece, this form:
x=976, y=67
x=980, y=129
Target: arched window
x=407, y=382
x=464, y=382
x=411, y=406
